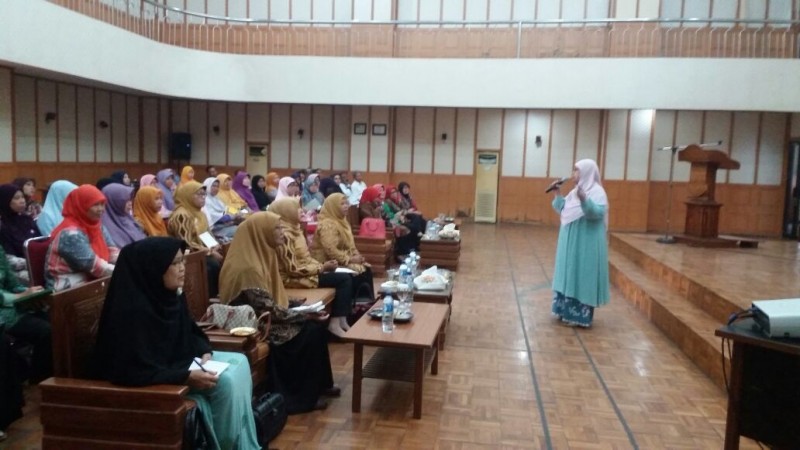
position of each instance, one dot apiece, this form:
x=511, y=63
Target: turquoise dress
x=580, y=278
x=227, y=407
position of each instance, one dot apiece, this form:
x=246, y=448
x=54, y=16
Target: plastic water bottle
x=388, y=313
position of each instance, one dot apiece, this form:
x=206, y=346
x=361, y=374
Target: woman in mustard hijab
x=232, y=200
x=299, y=364
x=299, y=270
x=187, y=175
x=188, y=222
x=333, y=240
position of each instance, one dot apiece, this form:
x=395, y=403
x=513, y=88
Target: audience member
x=299, y=270
x=311, y=194
x=31, y=327
x=333, y=240
x=28, y=186
x=166, y=182
x=81, y=250
x=11, y=379
x=17, y=227
x=299, y=365
x=241, y=184
x=147, y=206
x=148, y=180
x=188, y=222
x=146, y=336
x=328, y=186
x=272, y=185
x=233, y=202
x=187, y=175
x=259, y=190
x=117, y=219
x=356, y=188
x=222, y=224
x=53, y=204
x=288, y=187
x=212, y=171
x=121, y=177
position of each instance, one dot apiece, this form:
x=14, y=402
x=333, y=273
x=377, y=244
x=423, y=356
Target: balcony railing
x=591, y=38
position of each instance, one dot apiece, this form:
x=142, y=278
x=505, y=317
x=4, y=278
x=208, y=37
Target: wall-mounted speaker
x=180, y=146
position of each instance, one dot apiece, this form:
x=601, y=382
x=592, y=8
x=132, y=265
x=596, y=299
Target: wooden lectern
x=702, y=210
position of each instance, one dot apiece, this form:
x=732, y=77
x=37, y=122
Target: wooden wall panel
x=102, y=140
x=25, y=119
x=119, y=128
x=236, y=135
x=47, y=133
x=150, y=130
x=6, y=115
x=67, y=123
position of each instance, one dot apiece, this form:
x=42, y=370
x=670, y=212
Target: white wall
x=714, y=84
x=623, y=141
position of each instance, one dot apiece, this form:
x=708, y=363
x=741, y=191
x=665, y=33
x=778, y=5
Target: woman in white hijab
x=222, y=225
x=580, y=278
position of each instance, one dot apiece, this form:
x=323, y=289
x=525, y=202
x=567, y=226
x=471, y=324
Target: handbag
x=195, y=434
x=270, y=414
x=229, y=317
x=372, y=227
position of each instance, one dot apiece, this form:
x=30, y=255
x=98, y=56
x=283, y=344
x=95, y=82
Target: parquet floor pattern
x=511, y=377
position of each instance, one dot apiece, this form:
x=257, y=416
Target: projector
x=778, y=318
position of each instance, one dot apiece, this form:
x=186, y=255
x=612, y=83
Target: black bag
x=270, y=414
x=195, y=435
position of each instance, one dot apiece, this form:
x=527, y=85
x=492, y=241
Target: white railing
x=703, y=38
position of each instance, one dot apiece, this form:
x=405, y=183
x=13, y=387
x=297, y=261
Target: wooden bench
x=442, y=253
x=195, y=288
x=78, y=413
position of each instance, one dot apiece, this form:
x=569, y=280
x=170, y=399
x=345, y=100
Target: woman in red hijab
x=81, y=250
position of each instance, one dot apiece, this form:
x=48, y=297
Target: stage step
x=682, y=321
x=693, y=290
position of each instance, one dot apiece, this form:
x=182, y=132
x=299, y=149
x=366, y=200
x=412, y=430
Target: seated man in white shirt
x=356, y=188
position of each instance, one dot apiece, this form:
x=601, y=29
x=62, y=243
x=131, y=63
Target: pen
x=200, y=364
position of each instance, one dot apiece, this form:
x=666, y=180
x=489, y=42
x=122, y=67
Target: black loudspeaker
x=180, y=146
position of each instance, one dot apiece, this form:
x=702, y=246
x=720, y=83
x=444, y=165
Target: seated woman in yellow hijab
x=188, y=222
x=333, y=240
x=299, y=365
x=187, y=175
x=232, y=200
x=299, y=270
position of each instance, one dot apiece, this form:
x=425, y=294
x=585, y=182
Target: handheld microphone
x=556, y=184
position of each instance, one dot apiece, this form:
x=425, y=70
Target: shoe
x=321, y=405
x=333, y=391
x=3, y=434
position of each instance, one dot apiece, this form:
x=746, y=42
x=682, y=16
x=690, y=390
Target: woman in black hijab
x=329, y=186
x=17, y=225
x=259, y=189
x=146, y=336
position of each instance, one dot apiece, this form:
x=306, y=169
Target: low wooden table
x=444, y=297
x=403, y=354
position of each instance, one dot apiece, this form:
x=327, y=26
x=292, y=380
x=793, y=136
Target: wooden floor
x=512, y=377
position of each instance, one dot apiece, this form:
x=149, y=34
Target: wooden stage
x=688, y=292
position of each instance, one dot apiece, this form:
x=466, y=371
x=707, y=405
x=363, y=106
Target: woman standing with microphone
x=580, y=278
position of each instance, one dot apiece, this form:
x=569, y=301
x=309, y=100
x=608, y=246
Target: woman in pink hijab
x=580, y=278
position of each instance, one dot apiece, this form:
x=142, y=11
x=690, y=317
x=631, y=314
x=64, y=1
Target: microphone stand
x=667, y=239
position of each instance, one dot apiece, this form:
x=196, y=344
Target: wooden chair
x=378, y=252
x=78, y=413
x=36, y=258
x=195, y=288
